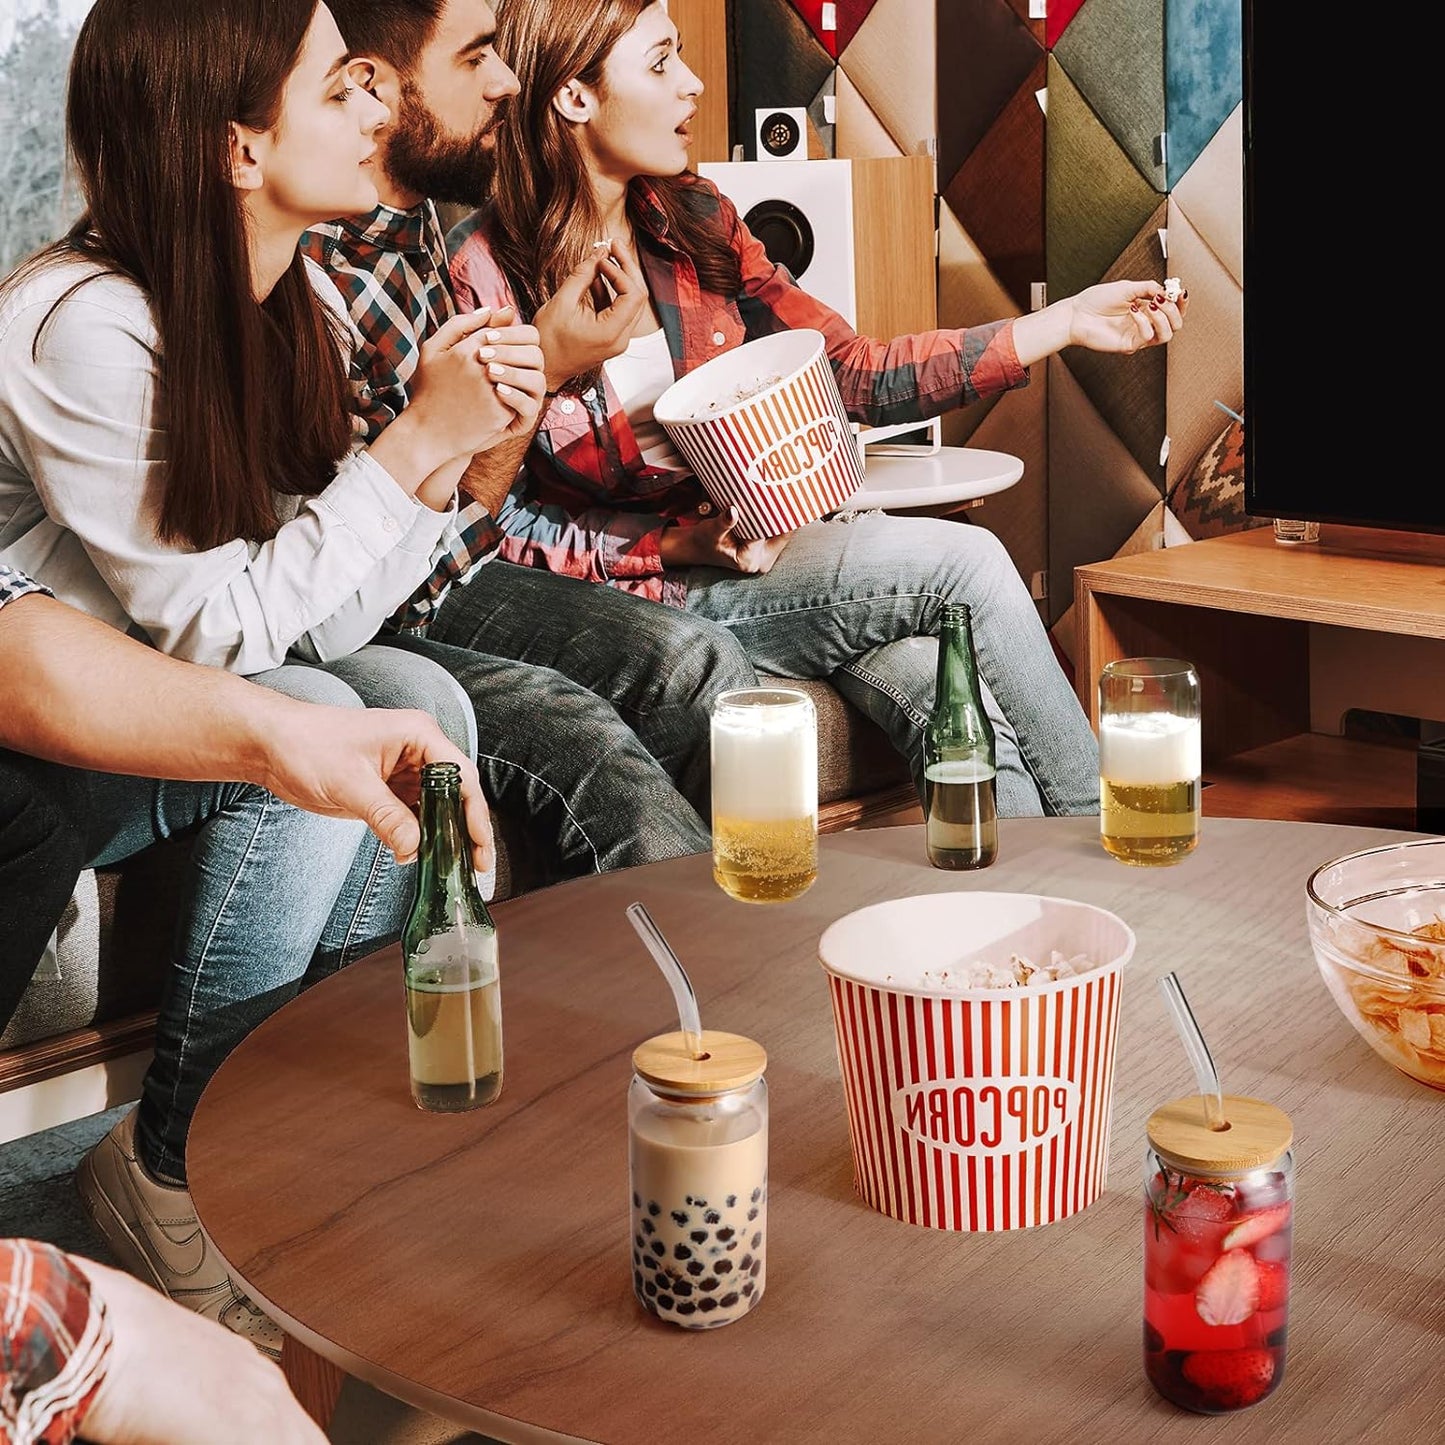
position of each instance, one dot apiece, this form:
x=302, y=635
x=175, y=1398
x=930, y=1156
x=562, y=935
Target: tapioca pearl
x=708, y=1285
x=649, y=1288
x=745, y=1261
x=712, y=1217
x=695, y=1267
x=698, y=1236
x=681, y=1251
x=658, y=1248
x=682, y=1288
x=680, y=1218
x=637, y=1280
x=665, y=1301
x=758, y=1240
x=748, y=1288
x=707, y=1305
x=654, y=1208
x=731, y=1201
x=639, y=1240
x=756, y=1194
x=723, y=1266
x=733, y=1244
x=687, y=1308
x=756, y=1266
x=726, y=1233
x=728, y=1301
x=752, y=1214
x=636, y=1200
x=648, y=1226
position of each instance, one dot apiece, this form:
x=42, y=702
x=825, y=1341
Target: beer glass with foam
x=1149, y=759
x=764, y=793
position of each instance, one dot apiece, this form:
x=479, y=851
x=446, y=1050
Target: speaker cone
x=785, y=232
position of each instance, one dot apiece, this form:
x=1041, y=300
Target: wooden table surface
x=478, y=1264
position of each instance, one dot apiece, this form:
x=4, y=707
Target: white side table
x=951, y=476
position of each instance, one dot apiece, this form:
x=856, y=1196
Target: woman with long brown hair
x=598, y=147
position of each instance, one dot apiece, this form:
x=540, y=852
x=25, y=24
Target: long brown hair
x=545, y=217
x=253, y=395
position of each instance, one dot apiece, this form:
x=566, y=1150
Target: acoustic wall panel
x=985, y=53
x=1114, y=54
x=859, y=133
x=776, y=62
x=891, y=61
x=1204, y=76
x=1211, y=195
x=1060, y=16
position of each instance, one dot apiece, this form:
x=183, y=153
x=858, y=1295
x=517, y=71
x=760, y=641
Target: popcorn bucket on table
x=764, y=428
x=977, y=1108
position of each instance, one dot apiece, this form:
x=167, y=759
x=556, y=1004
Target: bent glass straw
x=674, y=973
x=1197, y=1049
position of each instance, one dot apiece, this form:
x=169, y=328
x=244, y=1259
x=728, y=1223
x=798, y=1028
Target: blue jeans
x=658, y=668
x=857, y=600
x=273, y=895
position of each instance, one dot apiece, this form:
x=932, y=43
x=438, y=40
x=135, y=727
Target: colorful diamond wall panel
x=812, y=12
x=985, y=52
x=1204, y=76
x=1095, y=199
x=998, y=193
x=891, y=59
x=859, y=133
x=1061, y=14
x=1038, y=28
x=1114, y=54
x=820, y=128
x=969, y=293
x=1129, y=391
x=1211, y=194
x=775, y=61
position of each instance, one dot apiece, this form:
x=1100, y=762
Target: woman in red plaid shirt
x=598, y=147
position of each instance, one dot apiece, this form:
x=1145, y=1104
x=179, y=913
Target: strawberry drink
x=1217, y=1232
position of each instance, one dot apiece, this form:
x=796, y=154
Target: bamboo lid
x=1257, y=1135
x=729, y=1061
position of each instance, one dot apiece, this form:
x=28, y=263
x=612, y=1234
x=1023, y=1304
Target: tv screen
x=1342, y=287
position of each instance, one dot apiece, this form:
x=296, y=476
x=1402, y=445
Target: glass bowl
x=1377, y=927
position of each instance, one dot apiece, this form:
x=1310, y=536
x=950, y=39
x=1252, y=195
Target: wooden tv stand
x=1357, y=619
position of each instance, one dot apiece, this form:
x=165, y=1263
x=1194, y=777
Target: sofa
x=80, y=1038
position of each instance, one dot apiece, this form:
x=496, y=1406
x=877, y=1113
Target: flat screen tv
x=1344, y=416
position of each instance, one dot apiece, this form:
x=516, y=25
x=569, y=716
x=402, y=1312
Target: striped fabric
x=587, y=505
x=15, y=584
x=54, y=1343
x=391, y=268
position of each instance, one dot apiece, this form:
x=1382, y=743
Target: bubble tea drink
x=764, y=794
x=1218, y=1206
x=1150, y=759
x=698, y=1154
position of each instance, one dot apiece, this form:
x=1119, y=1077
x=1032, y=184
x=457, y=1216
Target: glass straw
x=1197, y=1049
x=674, y=973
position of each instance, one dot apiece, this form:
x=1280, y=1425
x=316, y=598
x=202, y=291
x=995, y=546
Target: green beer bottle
x=958, y=754
x=453, y=993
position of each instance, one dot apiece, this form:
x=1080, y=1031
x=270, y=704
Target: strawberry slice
x=1229, y=1292
x=1254, y=1227
x=1230, y=1378
x=1273, y=1285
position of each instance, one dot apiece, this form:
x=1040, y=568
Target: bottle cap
x=729, y=1061
x=1257, y=1135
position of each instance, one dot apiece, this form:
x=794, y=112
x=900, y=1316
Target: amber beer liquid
x=453, y=988
x=764, y=794
x=1150, y=759
x=959, y=774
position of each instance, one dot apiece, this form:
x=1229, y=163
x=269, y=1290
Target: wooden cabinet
x=1279, y=634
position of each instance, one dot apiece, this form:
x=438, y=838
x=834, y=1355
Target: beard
x=421, y=157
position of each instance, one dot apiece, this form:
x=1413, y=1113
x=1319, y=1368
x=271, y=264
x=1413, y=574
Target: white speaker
x=781, y=133
x=803, y=215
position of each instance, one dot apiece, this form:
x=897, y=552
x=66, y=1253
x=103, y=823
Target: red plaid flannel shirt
x=54, y=1344
x=586, y=504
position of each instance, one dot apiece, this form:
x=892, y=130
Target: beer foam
x=959, y=770
x=1146, y=749
x=764, y=767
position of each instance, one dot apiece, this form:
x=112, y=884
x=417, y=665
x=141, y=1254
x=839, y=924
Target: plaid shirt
x=391, y=268
x=586, y=504
x=54, y=1342
x=14, y=585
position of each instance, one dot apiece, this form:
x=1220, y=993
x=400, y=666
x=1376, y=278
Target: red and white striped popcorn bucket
x=764, y=428
x=975, y=1108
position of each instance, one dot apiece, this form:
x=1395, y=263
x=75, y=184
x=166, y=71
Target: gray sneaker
x=153, y=1231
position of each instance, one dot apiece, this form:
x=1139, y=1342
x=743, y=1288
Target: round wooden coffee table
x=478, y=1265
